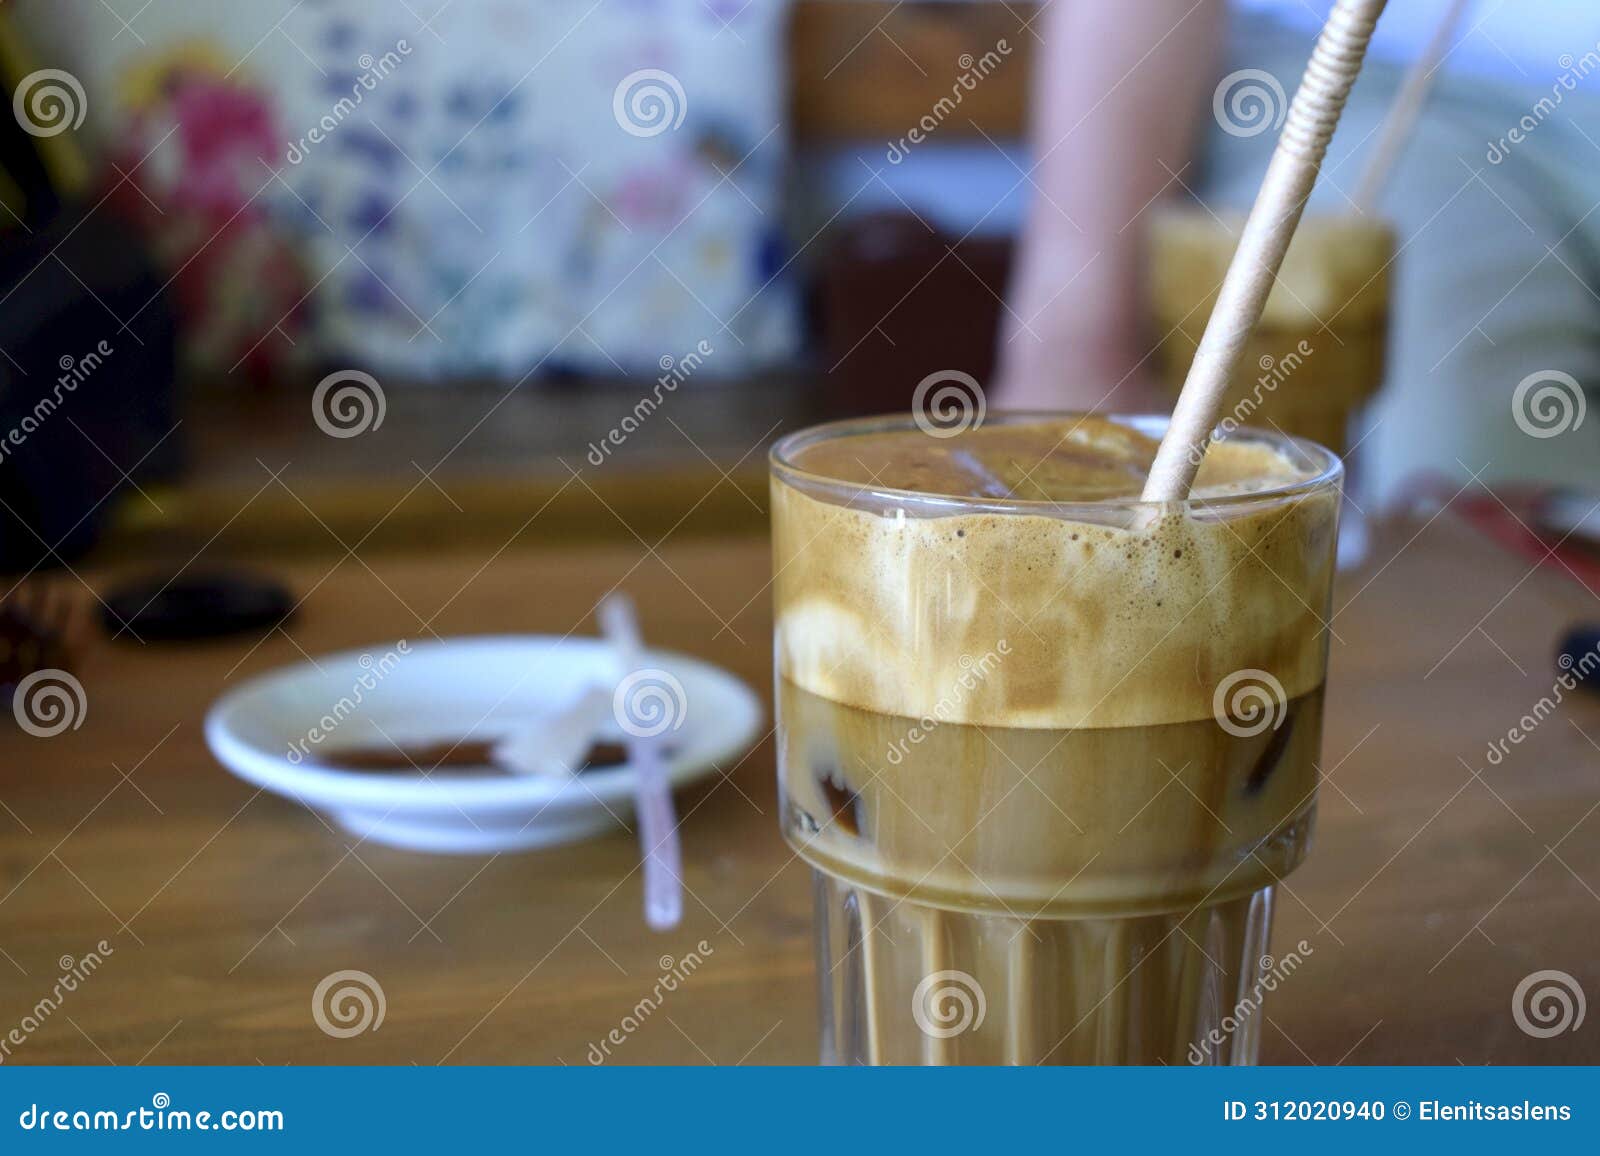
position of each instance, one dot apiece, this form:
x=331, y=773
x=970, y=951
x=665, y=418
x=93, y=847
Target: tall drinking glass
x=1048, y=748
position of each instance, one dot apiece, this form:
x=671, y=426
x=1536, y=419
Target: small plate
x=263, y=732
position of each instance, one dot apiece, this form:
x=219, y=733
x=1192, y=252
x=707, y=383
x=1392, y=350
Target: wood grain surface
x=1437, y=883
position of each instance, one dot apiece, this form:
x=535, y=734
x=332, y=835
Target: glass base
x=905, y=983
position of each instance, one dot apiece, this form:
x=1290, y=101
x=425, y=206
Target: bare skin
x=1118, y=93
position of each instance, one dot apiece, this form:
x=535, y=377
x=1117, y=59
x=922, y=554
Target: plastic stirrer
x=658, y=827
x=1313, y=115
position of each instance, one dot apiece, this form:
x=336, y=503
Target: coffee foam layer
x=1039, y=620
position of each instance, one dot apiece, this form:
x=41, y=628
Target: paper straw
x=1313, y=115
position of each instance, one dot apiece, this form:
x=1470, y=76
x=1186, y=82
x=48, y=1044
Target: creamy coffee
x=1002, y=742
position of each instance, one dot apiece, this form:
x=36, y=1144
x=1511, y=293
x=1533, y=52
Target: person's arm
x=1118, y=92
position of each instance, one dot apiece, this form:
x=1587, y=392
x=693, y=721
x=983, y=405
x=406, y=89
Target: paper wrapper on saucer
x=1295, y=373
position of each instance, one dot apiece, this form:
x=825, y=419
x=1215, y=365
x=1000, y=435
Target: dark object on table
x=41, y=628
x=206, y=605
x=898, y=303
x=1579, y=654
x=84, y=402
x=88, y=340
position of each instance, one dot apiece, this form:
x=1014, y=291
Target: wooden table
x=1438, y=881
x=465, y=468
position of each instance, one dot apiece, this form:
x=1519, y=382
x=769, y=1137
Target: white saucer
x=484, y=687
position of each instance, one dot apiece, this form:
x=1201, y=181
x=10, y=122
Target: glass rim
x=1325, y=468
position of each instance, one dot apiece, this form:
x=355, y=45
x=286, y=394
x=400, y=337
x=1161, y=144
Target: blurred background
x=314, y=271
x=330, y=323
x=504, y=224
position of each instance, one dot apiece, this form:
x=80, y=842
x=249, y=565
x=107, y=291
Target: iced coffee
x=1048, y=748
x=1317, y=355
